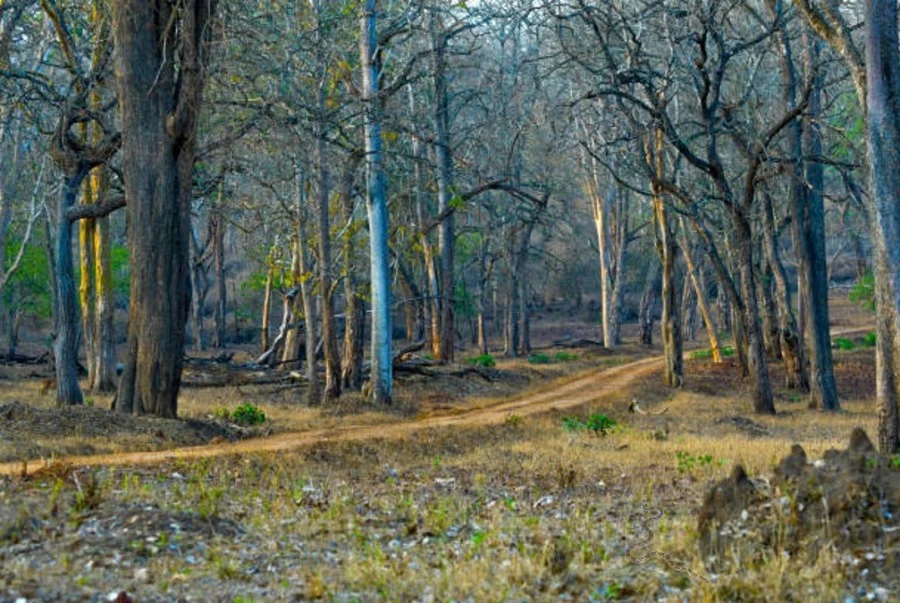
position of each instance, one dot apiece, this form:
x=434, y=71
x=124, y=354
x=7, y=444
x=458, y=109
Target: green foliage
x=863, y=292
x=572, y=424
x=726, y=351
x=565, y=357
x=29, y=287
x=484, y=360
x=599, y=423
x=895, y=462
x=869, y=340
x=687, y=462
x=539, y=358
x=245, y=414
x=248, y=414
x=844, y=344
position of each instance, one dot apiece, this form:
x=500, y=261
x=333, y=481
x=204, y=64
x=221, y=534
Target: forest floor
x=487, y=499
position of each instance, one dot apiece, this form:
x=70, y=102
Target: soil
x=35, y=432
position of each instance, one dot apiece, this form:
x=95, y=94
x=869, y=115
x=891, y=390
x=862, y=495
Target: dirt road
x=581, y=390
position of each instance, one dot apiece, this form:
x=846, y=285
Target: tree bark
x=810, y=226
x=647, y=303
x=329, y=329
x=354, y=311
x=700, y=293
x=376, y=206
x=789, y=338
x=883, y=140
x=159, y=104
x=65, y=346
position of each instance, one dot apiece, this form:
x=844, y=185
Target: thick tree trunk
x=65, y=346
x=883, y=138
x=159, y=104
x=376, y=205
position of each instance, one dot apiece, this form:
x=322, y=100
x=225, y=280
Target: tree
x=160, y=52
x=381, y=379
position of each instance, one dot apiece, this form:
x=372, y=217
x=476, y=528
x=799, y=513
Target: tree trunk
x=376, y=206
x=481, y=295
x=88, y=302
x=354, y=311
x=267, y=309
x=883, y=138
x=670, y=322
x=647, y=303
x=65, y=347
x=796, y=376
x=444, y=176
x=218, y=243
x=810, y=222
x=329, y=328
x=700, y=293
x=601, y=223
x=756, y=357
x=159, y=104
x=307, y=302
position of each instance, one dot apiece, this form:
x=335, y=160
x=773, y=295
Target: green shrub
x=539, y=358
x=600, y=424
x=572, y=424
x=222, y=413
x=844, y=344
x=248, y=414
x=863, y=292
x=565, y=356
x=485, y=360
x=869, y=340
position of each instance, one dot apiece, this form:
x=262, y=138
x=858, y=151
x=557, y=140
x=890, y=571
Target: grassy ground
x=527, y=510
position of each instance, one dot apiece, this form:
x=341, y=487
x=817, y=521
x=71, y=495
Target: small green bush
x=565, y=356
x=484, y=360
x=222, y=413
x=248, y=414
x=600, y=424
x=869, y=340
x=539, y=358
x=844, y=344
x=572, y=424
x=863, y=292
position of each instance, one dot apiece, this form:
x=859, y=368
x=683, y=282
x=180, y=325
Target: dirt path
x=581, y=390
